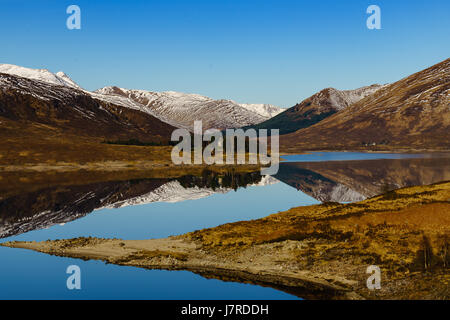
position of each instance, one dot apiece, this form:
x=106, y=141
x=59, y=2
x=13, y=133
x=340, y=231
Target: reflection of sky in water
x=336, y=156
x=27, y=274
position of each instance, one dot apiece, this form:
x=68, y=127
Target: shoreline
x=399, y=151
x=112, y=166
x=175, y=254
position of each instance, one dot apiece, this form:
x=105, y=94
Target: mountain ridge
x=184, y=108
x=317, y=107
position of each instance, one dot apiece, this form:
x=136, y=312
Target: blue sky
x=277, y=52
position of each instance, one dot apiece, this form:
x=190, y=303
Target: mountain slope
x=61, y=79
x=316, y=108
x=413, y=113
x=73, y=111
x=183, y=109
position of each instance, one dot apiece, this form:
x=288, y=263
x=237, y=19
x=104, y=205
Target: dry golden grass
x=38, y=144
x=32, y=146
x=390, y=230
x=405, y=232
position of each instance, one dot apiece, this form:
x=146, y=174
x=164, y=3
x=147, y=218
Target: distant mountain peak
x=41, y=98
x=314, y=109
x=265, y=110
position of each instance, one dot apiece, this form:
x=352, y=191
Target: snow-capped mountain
x=67, y=80
x=183, y=109
x=59, y=78
x=174, y=108
x=53, y=100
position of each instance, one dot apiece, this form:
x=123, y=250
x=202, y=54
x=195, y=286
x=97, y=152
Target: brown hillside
x=72, y=111
x=413, y=113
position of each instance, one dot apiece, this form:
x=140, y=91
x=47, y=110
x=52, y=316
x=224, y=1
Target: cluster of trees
x=426, y=259
x=213, y=180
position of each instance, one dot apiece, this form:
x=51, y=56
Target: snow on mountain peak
x=341, y=99
x=185, y=108
x=44, y=75
x=265, y=110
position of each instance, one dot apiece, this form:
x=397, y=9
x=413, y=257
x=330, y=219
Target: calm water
x=29, y=275
x=342, y=156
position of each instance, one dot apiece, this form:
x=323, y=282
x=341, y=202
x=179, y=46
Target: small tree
x=427, y=252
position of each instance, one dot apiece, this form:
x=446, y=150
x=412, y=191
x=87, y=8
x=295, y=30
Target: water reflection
x=349, y=181
x=333, y=181
x=45, y=207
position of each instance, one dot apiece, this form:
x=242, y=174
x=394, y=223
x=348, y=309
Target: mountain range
x=174, y=108
x=181, y=109
x=410, y=114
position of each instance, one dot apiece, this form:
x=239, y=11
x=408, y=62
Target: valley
x=95, y=169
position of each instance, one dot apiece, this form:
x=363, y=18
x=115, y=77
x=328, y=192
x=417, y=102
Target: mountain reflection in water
x=334, y=181
x=60, y=204
x=356, y=180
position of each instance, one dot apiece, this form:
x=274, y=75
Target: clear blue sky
x=277, y=52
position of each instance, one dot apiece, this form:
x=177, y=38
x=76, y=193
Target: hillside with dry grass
x=413, y=113
x=36, y=143
x=43, y=123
